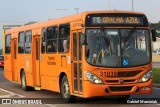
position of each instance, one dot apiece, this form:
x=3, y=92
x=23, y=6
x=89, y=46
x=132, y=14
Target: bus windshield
x=117, y=47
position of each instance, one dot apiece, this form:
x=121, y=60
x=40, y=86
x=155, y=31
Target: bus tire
x=24, y=83
x=65, y=91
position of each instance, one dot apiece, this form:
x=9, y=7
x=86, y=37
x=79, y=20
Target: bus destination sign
x=93, y=20
x=116, y=20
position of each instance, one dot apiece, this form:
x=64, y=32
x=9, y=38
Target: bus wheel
x=23, y=82
x=65, y=91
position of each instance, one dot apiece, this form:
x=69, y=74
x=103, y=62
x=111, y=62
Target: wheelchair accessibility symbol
x=125, y=62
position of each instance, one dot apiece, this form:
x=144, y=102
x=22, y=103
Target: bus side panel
x=49, y=71
x=21, y=65
x=29, y=79
x=7, y=67
x=28, y=69
x=50, y=83
x=64, y=65
x=26, y=66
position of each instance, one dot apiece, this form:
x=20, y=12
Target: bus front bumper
x=93, y=90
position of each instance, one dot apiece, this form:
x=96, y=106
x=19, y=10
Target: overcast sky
x=23, y=11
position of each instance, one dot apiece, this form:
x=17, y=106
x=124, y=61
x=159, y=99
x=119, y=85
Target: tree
x=156, y=26
x=0, y=51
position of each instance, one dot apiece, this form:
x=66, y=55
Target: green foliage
x=156, y=75
x=0, y=51
x=156, y=26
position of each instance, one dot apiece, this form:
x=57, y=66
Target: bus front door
x=36, y=62
x=77, y=62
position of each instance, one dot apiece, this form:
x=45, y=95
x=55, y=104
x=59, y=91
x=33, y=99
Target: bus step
x=37, y=88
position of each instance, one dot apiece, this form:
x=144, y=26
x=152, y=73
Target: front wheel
x=65, y=91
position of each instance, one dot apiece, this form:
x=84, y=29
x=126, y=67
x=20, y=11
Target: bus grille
x=117, y=81
x=126, y=88
x=128, y=73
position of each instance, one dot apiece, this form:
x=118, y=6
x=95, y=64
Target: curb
x=156, y=85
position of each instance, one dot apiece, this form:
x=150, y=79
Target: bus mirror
x=87, y=53
x=153, y=35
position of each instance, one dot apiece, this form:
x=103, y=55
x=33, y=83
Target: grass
x=156, y=75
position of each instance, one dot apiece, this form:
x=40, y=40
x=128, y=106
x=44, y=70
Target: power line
x=77, y=9
x=4, y=21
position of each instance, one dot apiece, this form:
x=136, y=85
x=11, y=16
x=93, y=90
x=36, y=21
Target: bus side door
x=77, y=62
x=36, y=62
x=13, y=59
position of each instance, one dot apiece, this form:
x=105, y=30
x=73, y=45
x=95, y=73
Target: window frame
x=30, y=41
x=8, y=44
x=64, y=38
x=55, y=39
x=42, y=33
x=21, y=42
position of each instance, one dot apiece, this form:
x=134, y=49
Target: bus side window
x=43, y=42
x=21, y=42
x=51, y=42
x=8, y=44
x=28, y=42
x=64, y=38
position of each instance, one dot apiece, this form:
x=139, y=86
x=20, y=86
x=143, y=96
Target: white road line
x=50, y=105
x=11, y=94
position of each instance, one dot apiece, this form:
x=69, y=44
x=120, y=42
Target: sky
x=23, y=11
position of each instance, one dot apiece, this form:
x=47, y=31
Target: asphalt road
x=57, y=102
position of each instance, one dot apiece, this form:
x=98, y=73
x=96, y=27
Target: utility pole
x=77, y=9
x=132, y=6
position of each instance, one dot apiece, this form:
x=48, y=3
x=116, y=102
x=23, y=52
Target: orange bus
x=99, y=53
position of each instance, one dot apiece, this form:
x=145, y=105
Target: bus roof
x=64, y=20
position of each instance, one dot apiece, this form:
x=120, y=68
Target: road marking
x=10, y=94
x=50, y=105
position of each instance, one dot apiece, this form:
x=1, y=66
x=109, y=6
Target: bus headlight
x=146, y=77
x=93, y=78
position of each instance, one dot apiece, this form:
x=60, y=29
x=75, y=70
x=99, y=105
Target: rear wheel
x=65, y=91
x=23, y=82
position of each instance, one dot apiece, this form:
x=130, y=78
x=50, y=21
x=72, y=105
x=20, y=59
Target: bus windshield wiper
x=105, y=38
x=129, y=36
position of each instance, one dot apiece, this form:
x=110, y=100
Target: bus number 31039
x=109, y=73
